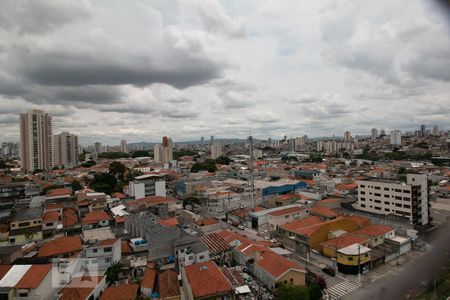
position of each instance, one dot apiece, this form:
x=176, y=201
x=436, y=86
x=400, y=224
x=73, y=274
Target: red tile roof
x=118, y=195
x=206, y=279
x=70, y=217
x=345, y=240
x=95, y=217
x=124, y=247
x=33, y=277
x=50, y=216
x=120, y=292
x=59, y=192
x=276, y=264
x=346, y=187
x=286, y=211
x=172, y=222
x=323, y=211
x=50, y=206
x=120, y=219
x=80, y=288
x=374, y=230
x=302, y=223
x=153, y=200
x=168, y=284
x=108, y=242
x=3, y=270
x=148, y=280
x=59, y=246
x=215, y=243
x=361, y=221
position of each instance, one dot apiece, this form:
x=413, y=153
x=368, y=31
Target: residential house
x=26, y=226
x=27, y=282
x=205, y=281
x=189, y=250
x=85, y=287
x=127, y=291
x=95, y=219
x=168, y=285
x=67, y=246
x=219, y=250
x=148, y=282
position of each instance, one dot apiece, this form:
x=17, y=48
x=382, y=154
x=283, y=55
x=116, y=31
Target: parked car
x=329, y=271
x=241, y=227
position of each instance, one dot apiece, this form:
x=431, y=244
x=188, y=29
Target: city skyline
x=224, y=68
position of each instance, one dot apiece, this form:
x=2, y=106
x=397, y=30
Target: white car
x=241, y=227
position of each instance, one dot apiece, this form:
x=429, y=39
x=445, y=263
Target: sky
x=139, y=70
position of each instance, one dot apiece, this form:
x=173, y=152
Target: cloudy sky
x=138, y=70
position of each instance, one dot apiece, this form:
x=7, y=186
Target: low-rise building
x=169, y=287
x=205, y=281
x=353, y=259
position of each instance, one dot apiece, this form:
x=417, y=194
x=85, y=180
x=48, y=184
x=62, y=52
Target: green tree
x=315, y=157
x=223, y=160
x=3, y=164
x=76, y=185
x=88, y=164
x=113, y=155
x=104, y=182
x=208, y=165
x=140, y=153
x=117, y=169
x=131, y=174
x=113, y=272
x=292, y=292
x=178, y=154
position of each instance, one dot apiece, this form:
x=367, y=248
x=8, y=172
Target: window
x=377, y=194
x=386, y=189
x=363, y=205
x=377, y=208
x=49, y=224
x=12, y=240
x=387, y=202
x=108, y=260
x=107, y=249
x=407, y=206
x=190, y=257
x=23, y=224
x=362, y=193
x=95, y=250
x=377, y=188
x=201, y=257
x=350, y=258
x=23, y=294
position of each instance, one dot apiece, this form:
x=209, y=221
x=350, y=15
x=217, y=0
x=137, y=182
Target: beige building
x=66, y=150
x=216, y=150
x=123, y=146
x=390, y=197
x=36, y=141
x=163, y=153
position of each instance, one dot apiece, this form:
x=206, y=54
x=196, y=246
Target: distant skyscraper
x=123, y=146
x=423, y=128
x=374, y=134
x=396, y=137
x=212, y=140
x=98, y=148
x=163, y=153
x=291, y=144
x=66, y=150
x=202, y=140
x=216, y=150
x=36, y=141
x=435, y=130
x=382, y=133
x=347, y=136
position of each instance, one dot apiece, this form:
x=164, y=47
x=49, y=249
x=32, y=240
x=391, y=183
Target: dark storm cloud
x=66, y=69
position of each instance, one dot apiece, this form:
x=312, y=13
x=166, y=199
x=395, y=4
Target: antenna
x=252, y=175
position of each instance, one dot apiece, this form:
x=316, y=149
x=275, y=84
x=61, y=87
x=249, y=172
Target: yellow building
x=26, y=226
x=353, y=258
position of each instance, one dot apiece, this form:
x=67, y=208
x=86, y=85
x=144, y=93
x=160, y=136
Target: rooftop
x=168, y=284
x=59, y=246
x=95, y=217
x=206, y=279
x=120, y=292
x=354, y=249
x=28, y=214
x=374, y=230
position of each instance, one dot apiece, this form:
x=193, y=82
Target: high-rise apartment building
x=163, y=153
x=374, y=134
x=36, y=141
x=216, y=150
x=347, y=136
x=66, y=150
x=123, y=146
x=423, y=129
x=435, y=131
x=396, y=137
x=98, y=148
x=390, y=197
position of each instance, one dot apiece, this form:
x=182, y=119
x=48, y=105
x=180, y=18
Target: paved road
x=408, y=280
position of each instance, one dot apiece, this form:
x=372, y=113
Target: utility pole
x=359, y=264
x=252, y=175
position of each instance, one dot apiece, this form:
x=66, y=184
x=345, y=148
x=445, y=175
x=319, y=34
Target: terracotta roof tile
x=120, y=292
x=3, y=270
x=168, y=284
x=302, y=223
x=50, y=216
x=95, y=217
x=323, y=211
x=124, y=247
x=374, y=230
x=59, y=246
x=59, y=192
x=172, y=222
x=345, y=240
x=276, y=264
x=206, y=279
x=148, y=280
x=33, y=277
